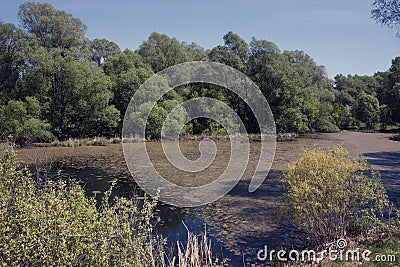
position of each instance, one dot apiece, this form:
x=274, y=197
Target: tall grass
x=195, y=253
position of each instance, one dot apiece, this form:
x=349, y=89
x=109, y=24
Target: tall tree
x=102, y=49
x=280, y=84
x=12, y=62
x=393, y=90
x=366, y=110
x=79, y=100
x=160, y=51
x=196, y=51
x=54, y=29
x=237, y=45
x=224, y=55
x=127, y=72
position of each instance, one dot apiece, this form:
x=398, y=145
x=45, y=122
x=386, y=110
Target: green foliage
x=160, y=52
x=237, y=45
x=102, y=49
x=157, y=116
x=384, y=116
x=83, y=87
x=52, y=223
x=20, y=123
x=391, y=90
x=55, y=224
x=366, y=110
x=196, y=51
x=11, y=58
x=342, y=116
x=292, y=120
x=354, y=85
x=226, y=56
x=79, y=100
x=326, y=121
x=332, y=195
x=54, y=29
x=326, y=125
x=127, y=72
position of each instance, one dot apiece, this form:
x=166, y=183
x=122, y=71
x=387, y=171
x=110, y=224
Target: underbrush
x=97, y=141
x=53, y=223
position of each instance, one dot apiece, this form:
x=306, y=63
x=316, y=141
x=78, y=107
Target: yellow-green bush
x=333, y=195
x=53, y=223
x=56, y=225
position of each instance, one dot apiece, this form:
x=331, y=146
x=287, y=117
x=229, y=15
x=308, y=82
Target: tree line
x=55, y=83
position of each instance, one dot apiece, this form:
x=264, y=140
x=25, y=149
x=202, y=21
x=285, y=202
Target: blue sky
x=338, y=34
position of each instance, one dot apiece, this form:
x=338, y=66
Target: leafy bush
x=332, y=195
x=366, y=110
x=326, y=125
x=53, y=223
x=56, y=225
x=20, y=122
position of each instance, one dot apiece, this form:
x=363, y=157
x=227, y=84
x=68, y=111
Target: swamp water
x=238, y=225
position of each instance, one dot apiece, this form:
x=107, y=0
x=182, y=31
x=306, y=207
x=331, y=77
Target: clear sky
x=338, y=34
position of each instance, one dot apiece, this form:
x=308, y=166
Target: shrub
x=20, y=122
x=332, y=195
x=56, y=225
x=53, y=223
x=326, y=125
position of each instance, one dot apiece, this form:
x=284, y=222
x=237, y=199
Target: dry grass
x=196, y=253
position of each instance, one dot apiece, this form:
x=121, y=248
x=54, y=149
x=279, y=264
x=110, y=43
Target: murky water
x=240, y=223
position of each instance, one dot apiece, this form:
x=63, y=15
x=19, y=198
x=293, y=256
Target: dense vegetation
x=50, y=222
x=55, y=83
x=53, y=223
x=332, y=195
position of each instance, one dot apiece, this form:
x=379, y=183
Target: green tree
x=12, y=60
x=79, y=100
x=127, y=72
x=312, y=75
x=54, y=29
x=353, y=85
x=224, y=55
x=384, y=116
x=343, y=116
x=178, y=118
x=366, y=110
x=102, y=49
x=281, y=85
x=237, y=45
x=325, y=121
x=160, y=52
x=20, y=122
x=392, y=90
x=196, y=52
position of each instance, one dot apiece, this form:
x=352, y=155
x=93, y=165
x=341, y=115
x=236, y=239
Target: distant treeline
x=55, y=83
